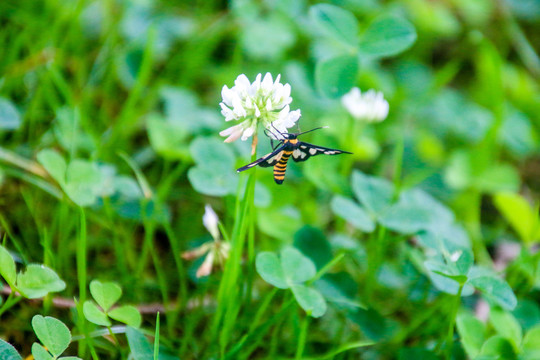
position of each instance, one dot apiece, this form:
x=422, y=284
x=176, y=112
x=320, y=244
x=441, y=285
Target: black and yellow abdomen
x=281, y=167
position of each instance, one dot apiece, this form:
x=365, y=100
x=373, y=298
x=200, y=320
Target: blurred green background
x=128, y=92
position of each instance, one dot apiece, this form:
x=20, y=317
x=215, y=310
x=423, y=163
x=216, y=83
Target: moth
x=290, y=146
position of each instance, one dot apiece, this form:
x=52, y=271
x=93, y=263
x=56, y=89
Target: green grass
x=109, y=118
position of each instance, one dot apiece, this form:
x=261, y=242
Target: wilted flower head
x=265, y=102
x=369, y=106
x=217, y=251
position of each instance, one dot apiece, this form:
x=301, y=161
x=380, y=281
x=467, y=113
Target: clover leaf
x=53, y=334
x=39, y=280
x=8, y=352
x=448, y=276
x=214, y=172
x=7, y=266
x=335, y=22
x=387, y=36
x=34, y=282
x=410, y=213
x=106, y=294
x=290, y=271
x=81, y=180
x=353, y=213
x=10, y=119
x=310, y=300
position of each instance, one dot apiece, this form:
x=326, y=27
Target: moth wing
x=304, y=151
x=267, y=160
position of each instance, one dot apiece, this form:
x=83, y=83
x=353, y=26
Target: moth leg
x=274, y=147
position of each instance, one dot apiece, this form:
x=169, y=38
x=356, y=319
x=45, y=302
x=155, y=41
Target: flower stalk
x=264, y=102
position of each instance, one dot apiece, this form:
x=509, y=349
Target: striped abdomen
x=281, y=166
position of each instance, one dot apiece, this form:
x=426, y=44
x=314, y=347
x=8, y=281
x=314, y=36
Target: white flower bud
x=210, y=221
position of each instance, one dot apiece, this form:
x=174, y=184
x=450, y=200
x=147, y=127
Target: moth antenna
x=321, y=127
x=279, y=132
x=271, y=132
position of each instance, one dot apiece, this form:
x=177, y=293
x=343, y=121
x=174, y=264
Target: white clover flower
x=217, y=251
x=265, y=102
x=369, y=106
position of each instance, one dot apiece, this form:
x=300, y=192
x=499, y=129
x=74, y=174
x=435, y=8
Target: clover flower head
x=216, y=251
x=369, y=106
x=264, y=101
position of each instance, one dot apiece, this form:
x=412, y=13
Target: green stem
x=353, y=133
x=228, y=293
x=453, y=321
x=63, y=253
x=113, y=336
x=376, y=254
x=124, y=125
x=262, y=309
x=148, y=248
x=244, y=228
x=10, y=302
x=398, y=164
x=302, y=338
x=182, y=277
x=275, y=339
x=118, y=246
x=257, y=335
x=156, y=339
x=254, y=324
x=48, y=256
x=251, y=254
x=93, y=353
x=16, y=242
x=166, y=183
x=162, y=280
x=81, y=257
x=421, y=318
x=473, y=225
x=450, y=335
x=81, y=275
x=147, y=241
x=522, y=45
x=326, y=268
